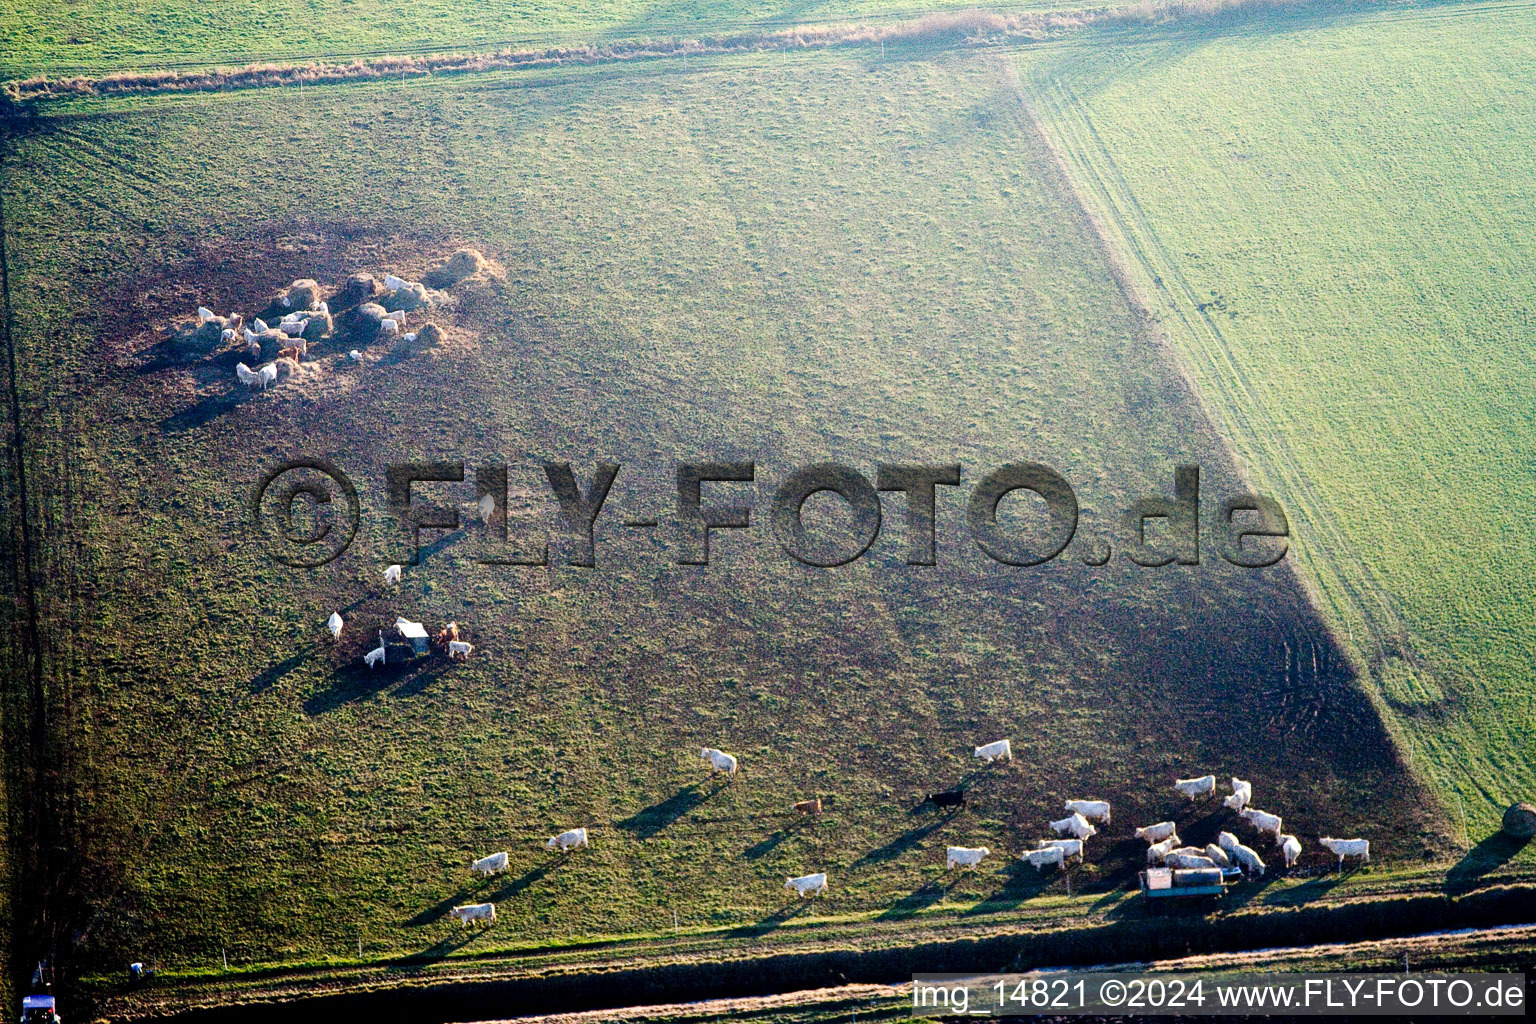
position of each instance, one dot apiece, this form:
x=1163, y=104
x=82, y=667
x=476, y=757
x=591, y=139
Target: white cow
x=323, y=307
x=260, y=325
x=227, y=334
x=459, y=650
x=397, y=315
x=204, y=314
x=990, y=752
x=1218, y=855
x=487, y=506
x=808, y=885
x=964, y=856
x=1205, y=785
x=1093, y=810
x=475, y=912
x=1156, y=833
x=355, y=356
x=394, y=283
x=1189, y=857
x=568, y=840
x=1158, y=852
x=1290, y=849
x=392, y=574
x=1227, y=841
x=1071, y=847
x=490, y=865
x=268, y=374
x=388, y=326
x=1046, y=856
x=1342, y=848
x=375, y=657
x=294, y=328
x=409, y=338
x=247, y=376
x=1249, y=859
x=334, y=624
x=1263, y=821
x=719, y=761
x=1074, y=825
x=1242, y=793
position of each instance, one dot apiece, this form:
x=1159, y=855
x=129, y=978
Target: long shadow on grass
x=1490, y=854
x=515, y=886
x=437, y=910
x=647, y=823
x=904, y=842
x=770, y=922
x=202, y=413
x=1022, y=882
x=269, y=677
x=768, y=845
x=354, y=684
x=444, y=946
x=929, y=894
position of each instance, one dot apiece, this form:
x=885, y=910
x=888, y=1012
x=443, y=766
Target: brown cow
x=290, y=353
x=447, y=633
x=808, y=806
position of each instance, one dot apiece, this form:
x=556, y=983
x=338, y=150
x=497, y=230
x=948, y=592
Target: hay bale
x=462, y=264
x=423, y=340
x=361, y=324
x=414, y=295
x=303, y=294
x=320, y=324
x=1520, y=821
x=287, y=368
x=198, y=339
x=272, y=342
x=360, y=288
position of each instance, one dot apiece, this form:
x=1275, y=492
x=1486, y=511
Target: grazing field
x=779, y=259
x=65, y=37
x=1331, y=220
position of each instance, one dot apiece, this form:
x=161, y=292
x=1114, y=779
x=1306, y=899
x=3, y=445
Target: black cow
x=954, y=798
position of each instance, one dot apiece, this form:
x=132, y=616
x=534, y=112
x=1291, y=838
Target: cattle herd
x=365, y=311
x=1163, y=844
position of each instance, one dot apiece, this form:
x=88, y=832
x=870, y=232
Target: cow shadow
x=1487, y=856
x=647, y=823
x=787, y=912
x=925, y=896
x=418, y=682
x=767, y=846
x=437, y=910
x=356, y=683
x=513, y=887
x=798, y=826
x=202, y=412
x=1299, y=895
x=443, y=947
x=904, y=842
x=270, y=676
x=1021, y=882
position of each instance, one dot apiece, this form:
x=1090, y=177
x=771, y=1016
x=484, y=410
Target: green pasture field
x=1331, y=219
x=71, y=37
x=784, y=258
